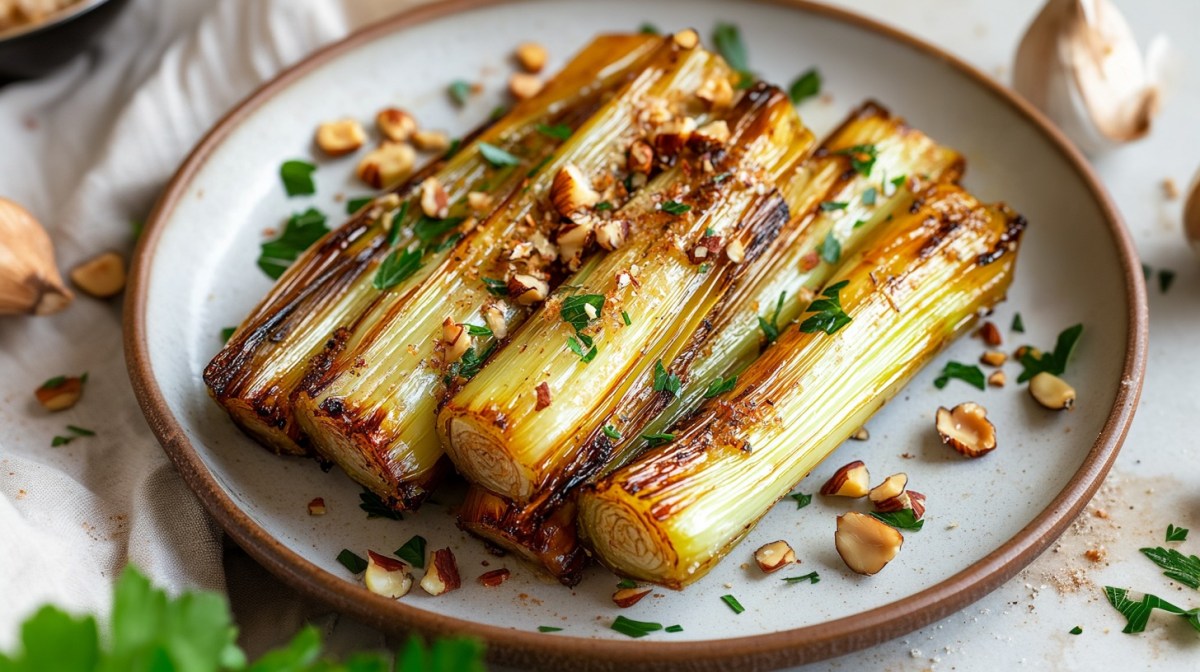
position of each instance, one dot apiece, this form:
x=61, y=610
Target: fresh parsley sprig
x=771, y=329
x=1051, y=362
x=1137, y=614
x=968, y=373
x=829, y=316
x=299, y=233
x=665, y=381
x=1178, y=567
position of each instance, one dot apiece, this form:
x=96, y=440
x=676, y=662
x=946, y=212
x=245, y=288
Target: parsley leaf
x=811, y=577
x=297, y=178
x=1018, y=325
x=673, y=628
x=575, y=309
x=658, y=439
x=732, y=603
x=413, y=552
x=1137, y=614
x=548, y=628
x=374, y=506
x=460, y=91
x=771, y=329
x=477, y=330
x=396, y=268
x=612, y=433
x=675, y=207
x=831, y=249
x=1176, y=533
x=557, y=131
x=1052, y=362
x=664, y=381
x=353, y=205
x=1076, y=630
x=397, y=221
x=1165, y=279
x=968, y=373
x=635, y=629
x=868, y=197
x=352, y=561
x=299, y=233
x=829, y=316
x=227, y=333
x=627, y=583
x=903, y=519
x=496, y=156
x=469, y=364
x=807, y=85
x=862, y=158
x=583, y=347
x=1179, y=567
x=802, y=500
x=495, y=287
x=428, y=229
x=728, y=41
x=625, y=318
x=720, y=386
x=603, y=206
x=830, y=206
x=648, y=28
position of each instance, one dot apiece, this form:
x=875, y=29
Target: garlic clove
x=1080, y=64
x=29, y=279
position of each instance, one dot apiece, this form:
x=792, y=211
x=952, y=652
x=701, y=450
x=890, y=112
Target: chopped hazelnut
x=640, y=158
x=990, y=334
x=431, y=141
x=866, y=544
x=716, y=91
x=686, y=39
x=493, y=315
x=852, y=480
x=997, y=379
x=710, y=136
x=612, y=234
x=735, y=251
x=572, y=192
x=965, y=428
x=523, y=85
x=627, y=597
x=337, y=138
x=441, y=575
x=395, y=124
x=671, y=137
x=527, y=290
x=456, y=338
x=543, y=396
x=1052, y=392
x=102, y=276
x=60, y=393
x=387, y=165
x=993, y=358
x=435, y=202
x=573, y=242
x=892, y=486
x=495, y=577
x=386, y=576
x=861, y=434
x=774, y=556
x=479, y=201
x=531, y=56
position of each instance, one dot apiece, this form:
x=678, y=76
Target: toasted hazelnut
x=572, y=192
x=531, y=56
x=671, y=137
x=574, y=240
x=916, y=502
x=852, y=480
x=710, y=136
x=861, y=434
x=395, y=124
x=60, y=393
x=543, y=396
x=495, y=577
x=735, y=251
x=1020, y=352
x=102, y=276
x=898, y=503
x=316, y=507
x=997, y=379
x=892, y=486
x=387, y=165
x=456, y=338
x=435, y=202
x=494, y=317
x=716, y=91
x=527, y=290
x=431, y=141
x=337, y=138
x=990, y=334
x=1051, y=391
x=866, y=544
x=479, y=201
x=523, y=85
x=386, y=576
x=965, y=428
x=612, y=234
x=706, y=249
x=686, y=39
x=627, y=597
x=993, y=358
x=441, y=576
x=774, y=556
x=640, y=158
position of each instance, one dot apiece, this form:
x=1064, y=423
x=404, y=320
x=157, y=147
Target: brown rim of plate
x=531, y=649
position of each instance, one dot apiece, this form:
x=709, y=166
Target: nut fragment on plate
x=774, y=556
x=341, y=137
x=531, y=56
x=861, y=434
x=59, y=393
x=893, y=486
x=527, y=290
x=493, y=315
x=431, y=141
x=456, y=339
x=866, y=544
x=495, y=577
x=671, y=136
x=993, y=358
x=387, y=165
x=395, y=124
x=1051, y=391
x=29, y=279
x=852, y=480
x=523, y=85
x=735, y=251
x=916, y=502
x=102, y=276
x=627, y=597
x=997, y=379
x=387, y=576
x=316, y=507
x=686, y=38
x=573, y=241
x=990, y=334
x=571, y=192
x=442, y=574
x=965, y=428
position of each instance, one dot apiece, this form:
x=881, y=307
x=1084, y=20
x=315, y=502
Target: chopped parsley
x=675, y=207
x=625, y=318
x=497, y=112
x=648, y=28
x=862, y=158
x=807, y=85
x=830, y=206
x=1147, y=272
x=75, y=433
x=720, y=386
x=1018, y=325
x=1176, y=533
x=903, y=519
x=374, y=506
x=868, y=197
x=732, y=603
x=469, y=364
x=352, y=561
x=1137, y=614
x=658, y=439
x=496, y=156
x=460, y=91
x=477, y=330
x=495, y=287
x=1165, y=278
x=704, y=268
x=396, y=268
x=353, y=205
x=627, y=583
x=1178, y=567
x=831, y=249
x=665, y=381
x=557, y=131
x=54, y=383
x=575, y=309
x=604, y=206
x=227, y=333
x=537, y=168
x=397, y=220
x=898, y=182
x=829, y=316
x=428, y=229
x=802, y=500
x=859, y=223
x=632, y=628
x=297, y=178
x=968, y=373
x=583, y=347
x=1051, y=362
x=1076, y=630
x=299, y=233
x=548, y=628
x=673, y=628
x=413, y=552
x=728, y=41
x=612, y=433
x=811, y=577
x=771, y=329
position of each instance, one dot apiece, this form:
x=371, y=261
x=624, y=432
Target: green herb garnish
x=869, y=195
x=299, y=233
x=675, y=207
x=297, y=177
x=1018, y=325
x=1137, y=614
x=733, y=603
x=64, y=440
x=537, y=168
x=673, y=628
x=830, y=206
x=1076, y=630
x=612, y=433
x=548, y=628
x=625, y=318
x=807, y=85
x=460, y=91
x=575, y=309
x=429, y=229
x=1165, y=278
x=397, y=220
x=55, y=382
x=1176, y=533
x=903, y=519
x=396, y=268
x=374, y=506
x=968, y=373
x=862, y=158
x=413, y=552
x=627, y=583
x=664, y=381
x=496, y=156
x=771, y=329
x=829, y=316
x=1178, y=567
x=658, y=439
x=477, y=330
x=353, y=205
x=495, y=287
x=583, y=347
x=831, y=249
x=352, y=561
x=648, y=28
x=469, y=364
x=632, y=628
x=227, y=333
x=802, y=500
x=728, y=41
x=1051, y=362
x=720, y=386
x=557, y=131
x=811, y=577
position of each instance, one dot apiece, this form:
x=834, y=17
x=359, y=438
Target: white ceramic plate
x=196, y=274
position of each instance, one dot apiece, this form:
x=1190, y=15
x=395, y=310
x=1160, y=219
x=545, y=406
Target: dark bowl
x=37, y=49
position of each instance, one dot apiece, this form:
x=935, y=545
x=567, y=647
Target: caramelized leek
x=919, y=281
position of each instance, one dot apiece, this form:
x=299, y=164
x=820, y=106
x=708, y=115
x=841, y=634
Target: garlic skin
x=1191, y=214
x=29, y=280
x=1080, y=64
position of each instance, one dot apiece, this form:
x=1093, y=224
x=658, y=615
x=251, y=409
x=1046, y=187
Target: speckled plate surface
x=195, y=273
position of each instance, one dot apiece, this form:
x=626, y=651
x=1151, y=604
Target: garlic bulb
x=1080, y=65
x=1191, y=214
x=29, y=280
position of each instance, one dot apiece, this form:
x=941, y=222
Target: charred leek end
x=545, y=538
x=369, y=403
x=333, y=282
x=670, y=274
x=920, y=281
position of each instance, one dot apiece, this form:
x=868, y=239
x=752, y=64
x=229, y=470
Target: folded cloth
x=87, y=151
